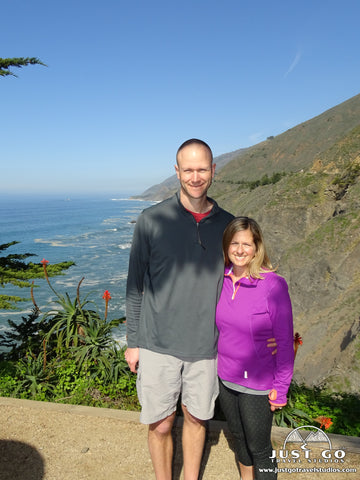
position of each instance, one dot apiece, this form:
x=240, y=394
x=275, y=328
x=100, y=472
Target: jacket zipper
x=198, y=236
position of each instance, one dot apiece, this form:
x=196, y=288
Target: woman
x=254, y=305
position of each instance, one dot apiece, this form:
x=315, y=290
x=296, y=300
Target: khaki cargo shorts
x=162, y=378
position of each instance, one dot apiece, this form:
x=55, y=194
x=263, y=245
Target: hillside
x=311, y=220
x=310, y=215
x=296, y=148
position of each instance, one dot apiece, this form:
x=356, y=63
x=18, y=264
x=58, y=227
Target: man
x=174, y=280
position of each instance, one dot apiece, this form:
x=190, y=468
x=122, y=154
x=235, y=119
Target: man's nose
x=195, y=176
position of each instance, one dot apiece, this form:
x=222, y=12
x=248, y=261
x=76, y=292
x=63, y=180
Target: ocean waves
x=94, y=233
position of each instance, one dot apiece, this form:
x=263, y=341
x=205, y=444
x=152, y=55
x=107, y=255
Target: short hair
x=261, y=262
x=192, y=141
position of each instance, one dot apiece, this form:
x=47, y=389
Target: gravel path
x=45, y=441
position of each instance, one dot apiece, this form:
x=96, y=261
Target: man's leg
x=161, y=447
x=199, y=391
x=193, y=440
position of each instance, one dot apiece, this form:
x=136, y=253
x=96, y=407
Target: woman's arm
x=280, y=310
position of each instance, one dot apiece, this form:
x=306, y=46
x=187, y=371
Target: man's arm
x=271, y=343
x=138, y=263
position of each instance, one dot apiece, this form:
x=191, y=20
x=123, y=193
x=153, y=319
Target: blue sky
x=128, y=81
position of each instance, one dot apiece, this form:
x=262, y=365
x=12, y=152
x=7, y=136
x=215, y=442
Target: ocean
x=94, y=232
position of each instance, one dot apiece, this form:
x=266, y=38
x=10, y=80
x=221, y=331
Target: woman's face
x=242, y=250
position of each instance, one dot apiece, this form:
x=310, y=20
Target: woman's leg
x=256, y=417
x=230, y=407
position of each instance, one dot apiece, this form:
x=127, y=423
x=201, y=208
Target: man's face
x=195, y=171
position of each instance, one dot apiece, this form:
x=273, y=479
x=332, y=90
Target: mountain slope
x=311, y=221
x=296, y=148
x=310, y=215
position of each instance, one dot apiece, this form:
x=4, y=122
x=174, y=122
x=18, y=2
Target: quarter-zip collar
x=189, y=215
x=186, y=212
x=245, y=281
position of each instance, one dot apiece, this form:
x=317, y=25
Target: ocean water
x=95, y=233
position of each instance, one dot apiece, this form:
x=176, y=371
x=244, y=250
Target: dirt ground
x=44, y=441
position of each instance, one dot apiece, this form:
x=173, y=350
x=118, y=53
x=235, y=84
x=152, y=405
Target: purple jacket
x=248, y=313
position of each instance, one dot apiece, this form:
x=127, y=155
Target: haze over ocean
x=95, y=233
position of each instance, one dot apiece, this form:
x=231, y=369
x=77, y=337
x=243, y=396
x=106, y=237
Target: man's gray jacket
x=175, y=275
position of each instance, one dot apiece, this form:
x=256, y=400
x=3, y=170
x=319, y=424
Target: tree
x=5, y=63
x=15, y=271
x=21, y=337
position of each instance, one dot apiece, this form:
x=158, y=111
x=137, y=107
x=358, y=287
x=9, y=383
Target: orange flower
x=324, y=421
x=44, y=263
x=297, y=341
x=106, y=295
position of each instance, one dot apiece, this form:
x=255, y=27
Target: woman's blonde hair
x=261, y=262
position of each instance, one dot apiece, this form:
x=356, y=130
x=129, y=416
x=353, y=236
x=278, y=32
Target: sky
x=127, y=82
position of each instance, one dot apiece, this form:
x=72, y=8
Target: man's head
x=191, y=142
x=194, y=168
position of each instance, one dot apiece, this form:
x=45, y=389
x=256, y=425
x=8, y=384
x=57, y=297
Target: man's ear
x=177, y=171
x=213, y=167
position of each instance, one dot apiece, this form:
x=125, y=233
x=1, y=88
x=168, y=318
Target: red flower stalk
x=44, y=348
x=33, y=298
x=324, y=421
x=106, y=297
x=44, y=263
x=297, y=341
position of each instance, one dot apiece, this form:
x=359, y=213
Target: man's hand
x=132, y=358
x=271, y=343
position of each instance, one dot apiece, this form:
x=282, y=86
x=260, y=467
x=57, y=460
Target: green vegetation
x=6, y=63
x=264, y=180
x=66, y=355
x=69, y=355
x=348, y=176
x=309, y=406
x=15, y=271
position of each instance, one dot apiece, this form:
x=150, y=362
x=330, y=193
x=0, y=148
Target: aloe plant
x=96, y=343
x=34, y=376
